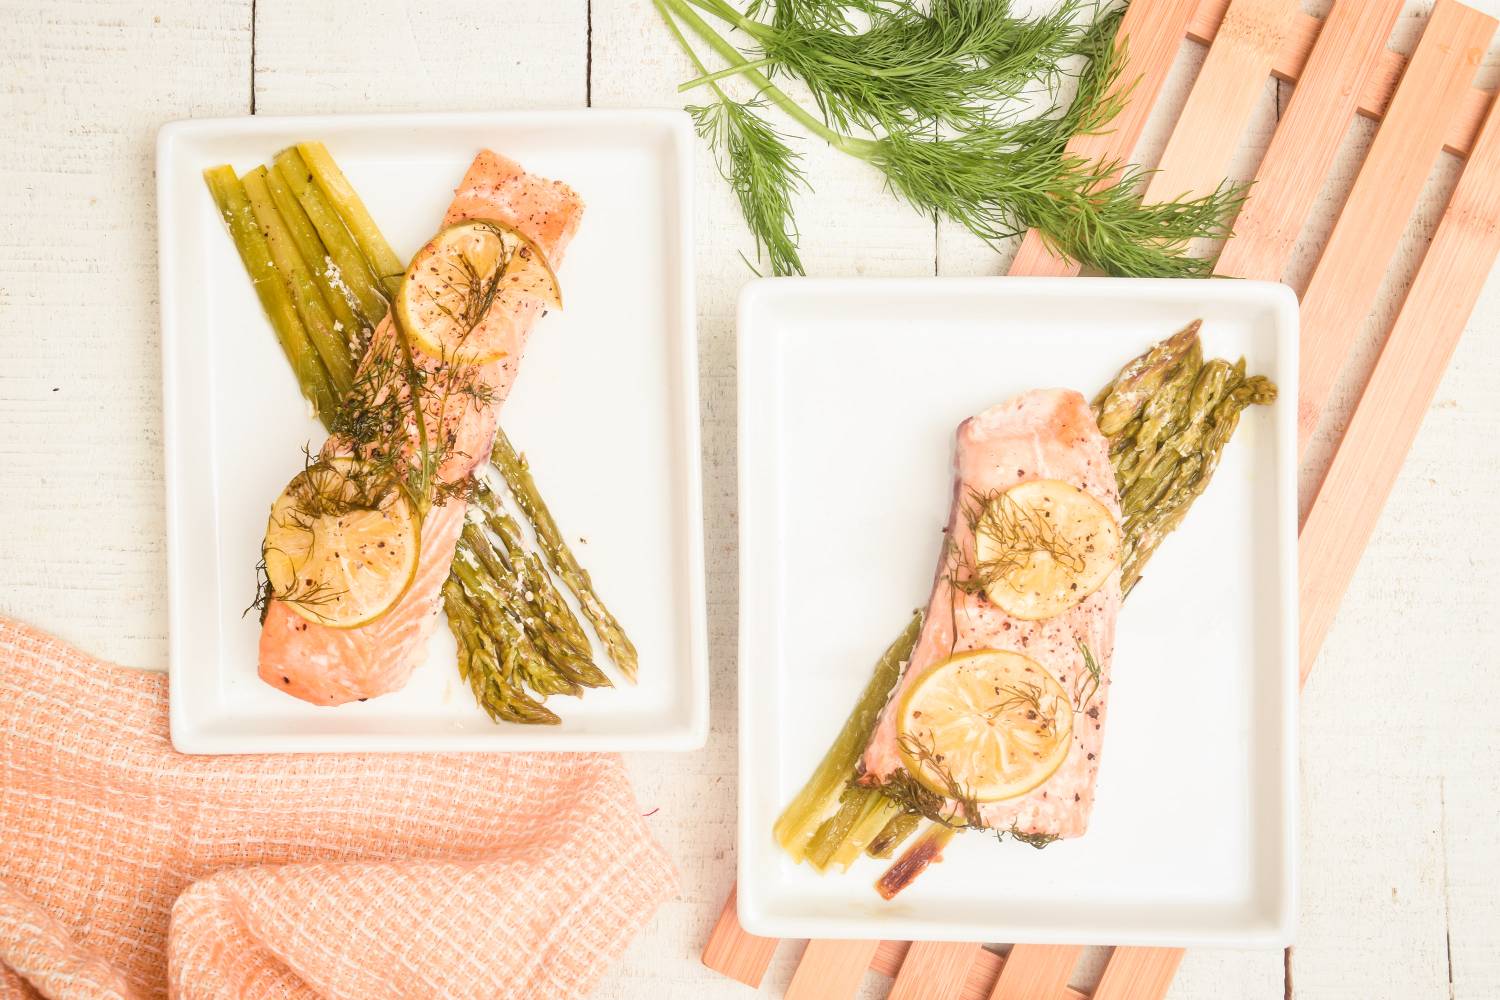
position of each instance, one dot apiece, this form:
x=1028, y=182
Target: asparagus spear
x=892, y=835
x=854, y=804
x=878, y=813
x=382, y=260
x=339, y=299
x=799, y=821
x=522, y=662
x=331, y=345
x=923, y=851
x=558, y=632
x=558, y=652
x=489, y=669
x=1146, y=529
x=271, y=287
x=1120, y=400
x=517, y=475
x=342, y=249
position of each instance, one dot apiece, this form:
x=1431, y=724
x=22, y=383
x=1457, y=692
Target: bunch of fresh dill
x=958, y=103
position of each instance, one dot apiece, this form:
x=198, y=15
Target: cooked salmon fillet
x=331, y=666
x=1042, y=434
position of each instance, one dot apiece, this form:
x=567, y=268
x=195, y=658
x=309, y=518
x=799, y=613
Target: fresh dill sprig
x=957, y=810
x=909, y=68
x=1018, y=534
x=932, y=90
x=1086, y=684
x=762, y=170
x=1037, y=840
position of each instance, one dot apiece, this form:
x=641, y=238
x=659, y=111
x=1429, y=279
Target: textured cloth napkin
x=129, y=870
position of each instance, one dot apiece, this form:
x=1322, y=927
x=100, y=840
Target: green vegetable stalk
x=331, y=344
x=272, y=288
x=801, y=820
x=517, y=474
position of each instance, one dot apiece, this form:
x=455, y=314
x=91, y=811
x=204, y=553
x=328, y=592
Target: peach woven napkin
x=129, y=870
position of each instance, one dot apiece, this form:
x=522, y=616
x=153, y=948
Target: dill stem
x=729, y=71
x=862, y=148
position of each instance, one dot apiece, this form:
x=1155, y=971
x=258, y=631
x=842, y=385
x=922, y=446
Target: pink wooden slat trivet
x=934, y=970
x=1389, y=413
x=1036, y=972
x=735, y=952
x=1355, y=261
x=1308, y=136
x=1138, y=974
x=831, y=970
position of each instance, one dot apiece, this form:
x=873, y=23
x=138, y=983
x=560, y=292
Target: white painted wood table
x=1401, y=750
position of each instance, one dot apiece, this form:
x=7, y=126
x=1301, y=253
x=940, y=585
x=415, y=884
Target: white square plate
x=850, y=392
x=606, y=407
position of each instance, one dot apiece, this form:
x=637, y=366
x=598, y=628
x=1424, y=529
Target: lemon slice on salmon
x=458, y=297
x=984, y=726
x=1043, y=546
x=338, y=550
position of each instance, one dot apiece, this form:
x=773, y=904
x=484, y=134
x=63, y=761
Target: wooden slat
x=1379, y=87
x=1379, y=206
x=1307, y=138
x=1152, y=31
x=1138, y=974
x=983, y=974
x=734, y=952
x=1411, y=364
x=1233, y=79
x=934, y=970
x=831, y=970
x=1036, y=972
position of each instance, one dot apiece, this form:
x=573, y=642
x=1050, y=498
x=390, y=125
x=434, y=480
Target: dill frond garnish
x=1086, y=684
x=958, y=809
x=1019, y=533
x=932, y=95
x=1028, y=696
x=1037, y=840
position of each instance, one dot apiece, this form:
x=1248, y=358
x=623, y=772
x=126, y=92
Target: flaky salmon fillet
x=1042, y=434
x=331, y=666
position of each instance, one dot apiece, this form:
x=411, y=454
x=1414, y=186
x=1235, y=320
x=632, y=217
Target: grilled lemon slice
x=457, y=300
x=336, y=554
x=1043, y=546
x=985, y=725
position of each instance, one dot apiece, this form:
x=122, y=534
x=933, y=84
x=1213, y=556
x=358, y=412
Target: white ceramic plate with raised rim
x=605, y=406
x=850, y=392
